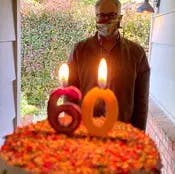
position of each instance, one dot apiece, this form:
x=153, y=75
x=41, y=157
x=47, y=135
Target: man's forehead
x=107, y=6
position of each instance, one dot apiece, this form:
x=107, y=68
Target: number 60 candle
x=54, y=110
x=110, y=100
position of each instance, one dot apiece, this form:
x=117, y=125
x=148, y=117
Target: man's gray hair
x=116, y=2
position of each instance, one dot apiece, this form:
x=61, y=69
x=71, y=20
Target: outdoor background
x=50, y=28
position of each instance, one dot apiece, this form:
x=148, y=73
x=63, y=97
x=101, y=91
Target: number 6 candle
x=110, y=100
x=54, y=110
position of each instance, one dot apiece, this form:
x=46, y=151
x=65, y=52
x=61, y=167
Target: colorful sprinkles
x=37, y=148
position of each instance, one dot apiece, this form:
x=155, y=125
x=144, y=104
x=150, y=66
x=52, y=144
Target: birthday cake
x=37, y=148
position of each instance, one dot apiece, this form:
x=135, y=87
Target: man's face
x=106, y=11
x=107, y=18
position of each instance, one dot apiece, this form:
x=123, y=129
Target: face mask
x=108, y=29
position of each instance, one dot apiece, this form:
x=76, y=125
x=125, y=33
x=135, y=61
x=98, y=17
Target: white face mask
x=108, y=29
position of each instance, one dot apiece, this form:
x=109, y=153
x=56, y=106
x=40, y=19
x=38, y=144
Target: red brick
x=173, y=165
x=170, y=171
x=163, y=171
x=164, y=162
x=162, y=131
x=162, y=148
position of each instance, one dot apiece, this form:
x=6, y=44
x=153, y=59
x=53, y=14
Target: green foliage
x=47, y=39
x=136, y=27
x=88, y=2
x=49, y=31
x=27, y=109
x=126, y=1
x=92, y=2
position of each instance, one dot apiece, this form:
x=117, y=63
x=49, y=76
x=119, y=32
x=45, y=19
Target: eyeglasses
x=111, y=15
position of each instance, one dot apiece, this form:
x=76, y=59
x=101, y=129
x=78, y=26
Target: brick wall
x=162, y=130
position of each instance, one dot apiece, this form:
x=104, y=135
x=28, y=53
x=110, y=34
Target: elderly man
x=128, y=69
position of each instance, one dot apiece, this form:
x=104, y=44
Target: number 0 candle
x=71, y=109
x=110, y=100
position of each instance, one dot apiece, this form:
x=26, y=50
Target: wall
x=161, y=125
x=8, y=66
x=162, y=55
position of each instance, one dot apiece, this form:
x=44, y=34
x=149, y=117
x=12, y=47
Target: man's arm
x=73, y=79
x=141, y=94
x=73, y=69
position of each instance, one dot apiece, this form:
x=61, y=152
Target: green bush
x=136, y=27
x=47, y=40
x=27, y=109
x=88, y=2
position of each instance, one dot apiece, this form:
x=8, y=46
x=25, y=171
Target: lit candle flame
x=102, y=73
x=63, y=74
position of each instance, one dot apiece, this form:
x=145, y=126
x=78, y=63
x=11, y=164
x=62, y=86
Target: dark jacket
x=128, y=75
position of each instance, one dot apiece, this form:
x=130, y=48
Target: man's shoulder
x=132, y=45
x=133, y=50
x=85, y=42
